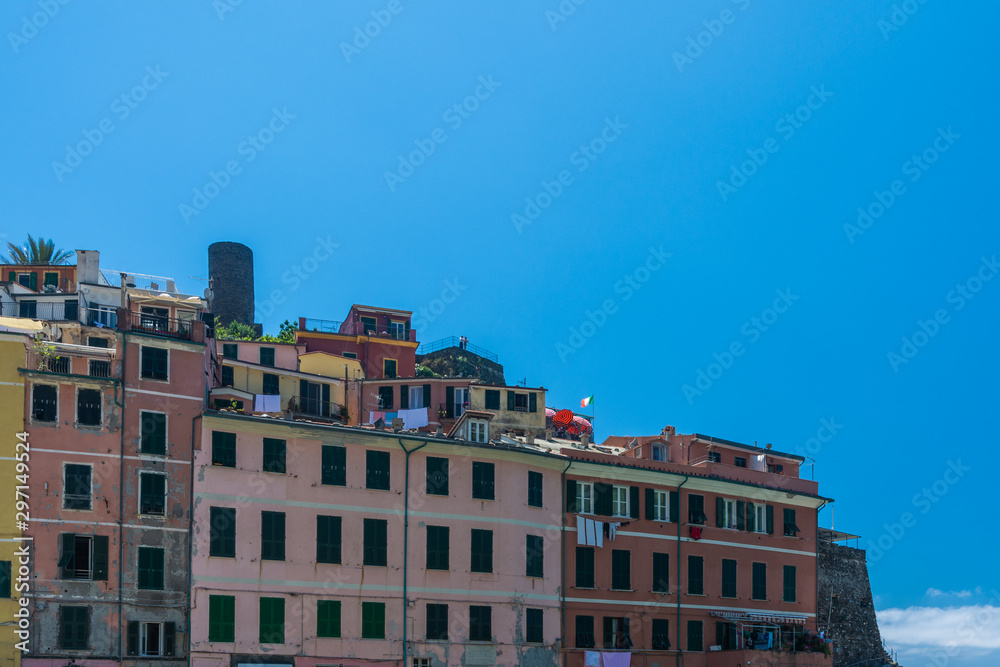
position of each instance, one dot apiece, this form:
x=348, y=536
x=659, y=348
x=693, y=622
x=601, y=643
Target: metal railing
x=314, y=406
x=97, y=317
x=141, y=281
x=452, y=341
x=158, y=325
x=92, y=362
x=326, y=326
x=42, y=310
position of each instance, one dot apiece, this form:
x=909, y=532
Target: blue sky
x=622, y=196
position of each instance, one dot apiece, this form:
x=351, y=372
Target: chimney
x=88, y=265
x=530, y=439
x=585, y=439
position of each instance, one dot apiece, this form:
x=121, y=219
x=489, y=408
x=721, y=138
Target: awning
x=778, y=619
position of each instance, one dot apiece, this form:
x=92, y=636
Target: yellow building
x=247, y=383
x=12, y=357
x=517, y=409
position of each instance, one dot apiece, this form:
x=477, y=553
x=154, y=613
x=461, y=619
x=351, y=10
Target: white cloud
x=973, y=626
x=937, y=592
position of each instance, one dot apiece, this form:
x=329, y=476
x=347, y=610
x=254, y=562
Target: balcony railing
x=101, y=317
x=158, y=325
x=452, y=341
x=314, y=407
x=68, y=359
x=63, y=310
x=325, y=326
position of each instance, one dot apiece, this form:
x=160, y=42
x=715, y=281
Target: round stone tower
x=230, y=268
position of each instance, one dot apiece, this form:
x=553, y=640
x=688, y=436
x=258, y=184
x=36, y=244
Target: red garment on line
x=696, y=532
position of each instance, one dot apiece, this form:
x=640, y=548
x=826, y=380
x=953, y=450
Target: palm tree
x=37, y=251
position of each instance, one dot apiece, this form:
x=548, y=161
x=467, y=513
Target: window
x=155, y=363
x=480, y=624
x=715, y=457
x=756, y=518
x=230, y=350
x=223, y=449
x=227, y=376
x=150, y=568
x=377, y=470
x=328, y=618
x=369, y=324
x=534, y=555
x=725, y=515
x=695, y=640
x=696, y=582
x=266, y=356
x=437, y=621
x=659, y=504
x=271, y=384
x=696, y=509
x=585, y=567
x=389, y=368
x=152, y=493
x=98, y=368
x=152, y=432
x=88, y=407
x=376, y=542
x=437, y=547
x=398, y=330
x=28, y=309
x=619, y=501
x=621, y=570
x=659, y=452
x=5, y=579
x=585, y=632
x=272, y=621
x=417, y=398
x=373, y=620
x=520, y=402
x=151, y=639
x=788, y=584
x=84, y=557
x=728, y=578
x=274, y=455
x=221, y=618
x=328, y=537
x=661, y=573
x=25, y=279
x=76, y=486
x=616, y=633
x=776, y=468
x=74, y=627
x=791, y=530
x=492, y=399
x=385, y=398
x=534, y=488
x=759, y=581
x=104, y=316
x=740, y=462
x=478, y=431
x=334, y=465
x=272, y=536
x=437, y=476
x=222, y=539
x=51, y=278
x=43, y=402
x=482, y=480
x=482, y=550
x=533, y=626
x=585, y=497
x=661, y=632
x=349, y=355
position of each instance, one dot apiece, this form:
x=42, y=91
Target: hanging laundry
x=414, y=418
x=598, y=533
x=759, y=462
x=581, y=530
x=591, y=659
x=696, y=532
x=623, y=659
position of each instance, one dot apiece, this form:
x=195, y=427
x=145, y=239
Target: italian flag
x=587, y=401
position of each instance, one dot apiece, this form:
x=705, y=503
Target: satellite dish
x=55, y=333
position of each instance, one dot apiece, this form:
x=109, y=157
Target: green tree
x=37, y=251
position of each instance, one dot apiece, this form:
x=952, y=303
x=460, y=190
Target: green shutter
x=675, y=506
x=633, y=501
x=532, y=402
x=221, y=618
x=427, y=396
x=603, y=499
x=449, y=399
x=133, y=637
x=334, y=465
x=649, y=504
x=510, y=400
x=328, y=618
x=67, y=562
x=769, y=511
x=12, y=276
x=169, y=638
x=328, y=539
x=100, y=558
x=404, y=397
x=788, y=584
x=571, y=496
x=740, y=525
x=33, y=281
x=751, y=518
x=720, y=512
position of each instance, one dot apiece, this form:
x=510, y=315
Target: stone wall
x=844, y=607
x=230, y=266
x=455, y=362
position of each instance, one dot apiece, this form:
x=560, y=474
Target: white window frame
x=143, y=637
x=32, y=407
x=416, y=397
x=106, y=316
x=479, y=431
x=661, y=505
x=620, y=501
x=729, y=513
x=166, y=431
x=460, y=404
x=138, y=503
x=90, y=557
x=146, y=379
x=91, y=498
x=76, y=407
x=663, y=451
x=585, y=497
x=759, y=518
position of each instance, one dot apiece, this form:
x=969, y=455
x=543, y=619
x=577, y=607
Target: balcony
x=324, y=326
x=66, y=359
x=158, y=325
x=63, y=310
x=314, y=407
x=452, y=341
